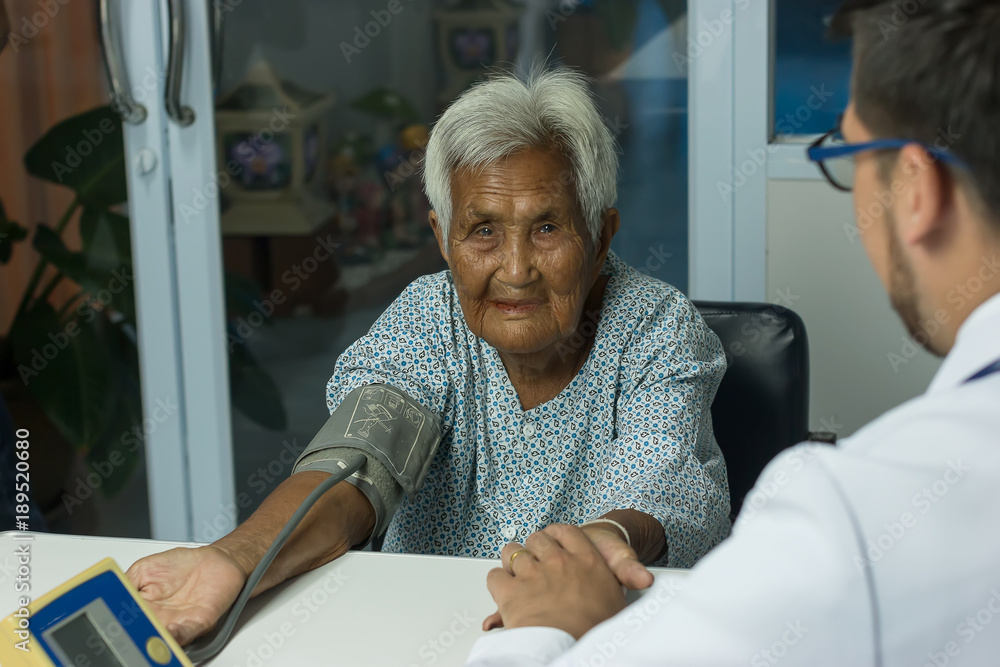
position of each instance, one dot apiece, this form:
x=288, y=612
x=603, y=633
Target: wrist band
x=628, y=540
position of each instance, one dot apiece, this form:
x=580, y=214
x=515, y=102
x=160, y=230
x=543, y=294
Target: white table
x=362, y=610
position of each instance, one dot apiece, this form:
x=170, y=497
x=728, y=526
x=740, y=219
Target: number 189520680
x=22, y=483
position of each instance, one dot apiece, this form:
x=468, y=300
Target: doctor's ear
x=924, y=191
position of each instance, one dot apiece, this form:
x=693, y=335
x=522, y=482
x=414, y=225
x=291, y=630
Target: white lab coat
x=884, y=550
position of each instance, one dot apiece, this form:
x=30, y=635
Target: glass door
x=298, y=209
x=82, y=426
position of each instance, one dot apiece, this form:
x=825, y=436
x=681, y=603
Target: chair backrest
x=762, y=405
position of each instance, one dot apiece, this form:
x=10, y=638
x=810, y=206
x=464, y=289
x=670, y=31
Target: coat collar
x=976, y=346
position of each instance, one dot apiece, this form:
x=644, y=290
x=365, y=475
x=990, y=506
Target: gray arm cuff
x=383, y=492
x=396, y=434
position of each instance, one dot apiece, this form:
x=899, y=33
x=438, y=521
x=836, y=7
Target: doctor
x=884, y=550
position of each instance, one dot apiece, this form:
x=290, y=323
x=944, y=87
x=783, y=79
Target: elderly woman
x=558, y=384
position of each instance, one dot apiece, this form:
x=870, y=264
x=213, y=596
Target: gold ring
x=510, y=563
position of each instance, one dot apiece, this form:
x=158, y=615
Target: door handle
x=180, y=114
x=121, y=95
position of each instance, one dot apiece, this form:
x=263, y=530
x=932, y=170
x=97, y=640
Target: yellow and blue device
x=97, y=618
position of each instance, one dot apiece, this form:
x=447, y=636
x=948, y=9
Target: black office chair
x=762, y=405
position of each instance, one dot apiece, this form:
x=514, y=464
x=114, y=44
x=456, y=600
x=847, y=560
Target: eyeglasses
x=835, y=156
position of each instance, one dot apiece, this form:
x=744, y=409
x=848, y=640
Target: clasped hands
x=564, y=577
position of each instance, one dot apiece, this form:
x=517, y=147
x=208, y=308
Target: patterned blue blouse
x=632, y=430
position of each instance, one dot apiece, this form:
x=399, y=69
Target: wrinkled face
x=519, y=251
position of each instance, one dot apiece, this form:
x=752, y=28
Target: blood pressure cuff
x=396, y=434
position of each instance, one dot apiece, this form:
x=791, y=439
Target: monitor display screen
x=80, y=638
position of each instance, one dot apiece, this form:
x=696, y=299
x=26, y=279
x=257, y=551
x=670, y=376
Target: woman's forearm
x=342, y=518
x=646, y=533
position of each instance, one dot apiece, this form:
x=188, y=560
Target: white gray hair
x=508, y=113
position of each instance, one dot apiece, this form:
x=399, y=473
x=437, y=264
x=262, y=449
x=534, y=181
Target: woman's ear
x=438, y=234
x=610, y=222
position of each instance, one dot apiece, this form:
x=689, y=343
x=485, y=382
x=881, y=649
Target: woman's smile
x=515, y=307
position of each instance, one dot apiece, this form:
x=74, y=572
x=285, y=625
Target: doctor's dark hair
x=929, y=70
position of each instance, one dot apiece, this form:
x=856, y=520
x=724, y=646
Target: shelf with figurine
x=270, y=143
x=376, y=186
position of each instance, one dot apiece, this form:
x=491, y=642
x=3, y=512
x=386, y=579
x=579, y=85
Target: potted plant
x=69, y=368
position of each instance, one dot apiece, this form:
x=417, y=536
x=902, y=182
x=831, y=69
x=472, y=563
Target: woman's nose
x=516, y=264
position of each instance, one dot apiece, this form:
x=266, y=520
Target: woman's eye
x=548, y=228
x=484, y=231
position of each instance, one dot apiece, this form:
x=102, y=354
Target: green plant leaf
x=123, y=344
x=241, y=293
x=85, y=153
x=10, y=233
x=384, y=103
x=66, y=366
x=112, y=459
x=107, y=239
x=253, y=392
x=117, y=451
x=106, y=284
x=51, y=247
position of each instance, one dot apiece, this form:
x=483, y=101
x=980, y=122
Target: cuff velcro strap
x=382, y=490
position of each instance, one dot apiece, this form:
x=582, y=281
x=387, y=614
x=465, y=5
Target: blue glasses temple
x=821, y=153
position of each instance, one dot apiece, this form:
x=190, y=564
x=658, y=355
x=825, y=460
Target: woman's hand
x=562, y=581
x=188, y=589
x=619, y=556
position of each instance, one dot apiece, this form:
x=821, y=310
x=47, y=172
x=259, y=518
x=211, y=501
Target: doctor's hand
x=619, y=556
x=188, y=589
x=558, y=579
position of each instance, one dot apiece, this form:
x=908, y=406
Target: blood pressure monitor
x=97, y=618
